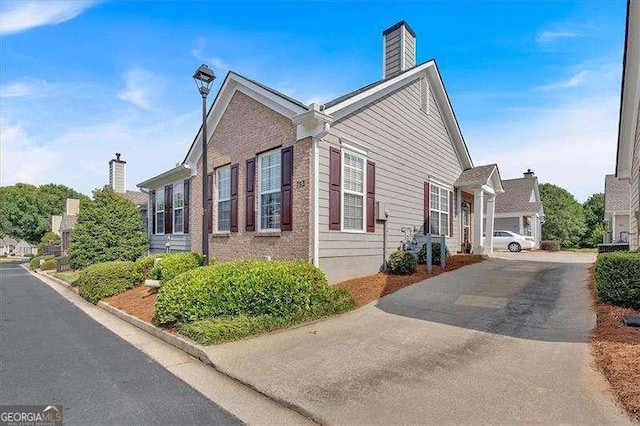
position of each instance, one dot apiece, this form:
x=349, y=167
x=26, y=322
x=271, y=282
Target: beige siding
x=410, y=50
x=407, y=146
x=634, y=237
x=393, y=53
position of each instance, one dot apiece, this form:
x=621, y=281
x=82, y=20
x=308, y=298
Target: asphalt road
x=52, y=353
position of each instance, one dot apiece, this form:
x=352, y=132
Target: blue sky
x=533, y=84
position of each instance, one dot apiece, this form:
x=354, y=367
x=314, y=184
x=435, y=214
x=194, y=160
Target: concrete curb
x=182, y=343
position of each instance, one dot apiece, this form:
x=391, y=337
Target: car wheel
x=514, y=247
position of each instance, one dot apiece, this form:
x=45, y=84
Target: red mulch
x=616, y=349
x=139, y=301
x=372, y=287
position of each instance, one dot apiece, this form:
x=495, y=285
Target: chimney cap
x=398, y=25
x=529, y=173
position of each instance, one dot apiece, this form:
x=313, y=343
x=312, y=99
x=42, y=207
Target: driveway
x=52, y=353
x=503, y=341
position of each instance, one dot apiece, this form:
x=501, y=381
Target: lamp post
x=204, y=77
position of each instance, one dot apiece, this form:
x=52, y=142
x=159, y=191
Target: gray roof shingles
x=68, y=222
x=476, y=175
x=616, y=194
x=137, y=197
x=517, y=196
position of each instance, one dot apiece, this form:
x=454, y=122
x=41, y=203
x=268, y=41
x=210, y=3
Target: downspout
x=316, y=193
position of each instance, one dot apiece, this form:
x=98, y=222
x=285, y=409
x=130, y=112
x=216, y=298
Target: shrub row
x=34, y=263
x=107, y=279
x=48, y=265
x=170, y=266
x=251, y=288
x=402, y=263
x=618, y=278
x=549, y=245
x=145, y=264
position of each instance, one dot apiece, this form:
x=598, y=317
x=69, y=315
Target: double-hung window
x=178, y=208
x=269, y=181
x=160, y=210
x=353, y=187
x=223, y=188
x=439, y=210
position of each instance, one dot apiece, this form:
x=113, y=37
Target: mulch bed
x=616, y=349
x=139, y=301
x=367, y=289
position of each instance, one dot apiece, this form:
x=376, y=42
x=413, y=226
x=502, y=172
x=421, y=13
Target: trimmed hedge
x=172, y=265
x=618, y=278
x=549, y=245
x=107, y=279
x=34, y=263
x=402, y=263
x=48, y=265
x=252, y=288
x=435, y=253
x=145, y=264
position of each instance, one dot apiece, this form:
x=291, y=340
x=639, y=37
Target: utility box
x=381, y=213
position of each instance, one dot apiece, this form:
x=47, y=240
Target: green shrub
x=401, y=263
x=48, y=239
x=549, y=245
x=435, y=253
x=107, y=279
x=252, y=288
x=217, y=330
x=172, y=265
x=34, y=263
x=618, y=278
x=29, y=255
x=145, y=264
x=48, y=265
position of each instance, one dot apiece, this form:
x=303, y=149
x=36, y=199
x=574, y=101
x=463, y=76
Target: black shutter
x=250, y=200
x=371, y=196
x=153, y=211
x=168, y=209
x=286, y=189
x=210, y=202
x=335, y=182
x=427, y=225
x=234, y=198
x=451, y=214
x=185, y=211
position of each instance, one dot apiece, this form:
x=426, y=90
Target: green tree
x=565, y=218
x=26, y=210
x=594, y=218
x=108, y=228
x=48, y=239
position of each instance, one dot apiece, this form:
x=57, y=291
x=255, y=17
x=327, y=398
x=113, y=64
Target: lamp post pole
x=203, y=78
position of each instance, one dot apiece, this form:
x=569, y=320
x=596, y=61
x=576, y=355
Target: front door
x=466, y=224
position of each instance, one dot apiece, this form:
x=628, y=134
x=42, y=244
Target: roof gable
x=518, y=195
x=360, y=98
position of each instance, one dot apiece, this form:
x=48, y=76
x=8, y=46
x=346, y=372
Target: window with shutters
x=353, y=192
x=178, y=208
x=223, y=193
x=439, y=210
x=160, y=210
x=269, y=199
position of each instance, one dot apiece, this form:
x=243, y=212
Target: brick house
x=314, y=182
x=628, y=156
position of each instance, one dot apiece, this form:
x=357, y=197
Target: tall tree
x=26, y=210
x=565, y=218
x=108, y=228
x=594, y=218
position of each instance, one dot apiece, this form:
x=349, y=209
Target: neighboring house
x=118, y=181
x=519, y=209
x=628, y=158
x=292, y=181
x=14, y=247
x=68, y=223
x=616, y=209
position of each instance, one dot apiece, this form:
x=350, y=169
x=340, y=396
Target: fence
x=52, y=249
x=61, y=264
x=608, y=248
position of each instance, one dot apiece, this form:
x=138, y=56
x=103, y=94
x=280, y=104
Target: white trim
x=354, y=147
x=440, y=183
x=232, y=84
x=259, y=215
x=439, y=210
x=159, y=211
x=182, y=171
x=179, y=184
x=344, y=151
x=217, y=230
x=316, y=199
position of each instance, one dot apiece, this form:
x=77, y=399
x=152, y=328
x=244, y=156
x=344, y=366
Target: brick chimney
x=118, y=174
x=73, y=206
x=398, y=49
x=529, y=173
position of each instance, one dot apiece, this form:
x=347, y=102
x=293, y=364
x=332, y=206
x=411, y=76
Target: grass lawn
x=69, y=277
x=581, y=250
x=616, y=349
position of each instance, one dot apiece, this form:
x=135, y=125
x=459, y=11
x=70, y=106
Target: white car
x=512, y=241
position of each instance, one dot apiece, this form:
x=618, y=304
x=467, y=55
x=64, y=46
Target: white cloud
x=139, y=88
x=549, y=36
x=25, y=89
x=214, y=62
x=17, y=16
x=576, y=80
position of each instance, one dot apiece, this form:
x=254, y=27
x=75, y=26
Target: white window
x=223, y=188
x=178, y=208
x=160, y=211
x=353, y=187
x=439, y=210
x=269, y=179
